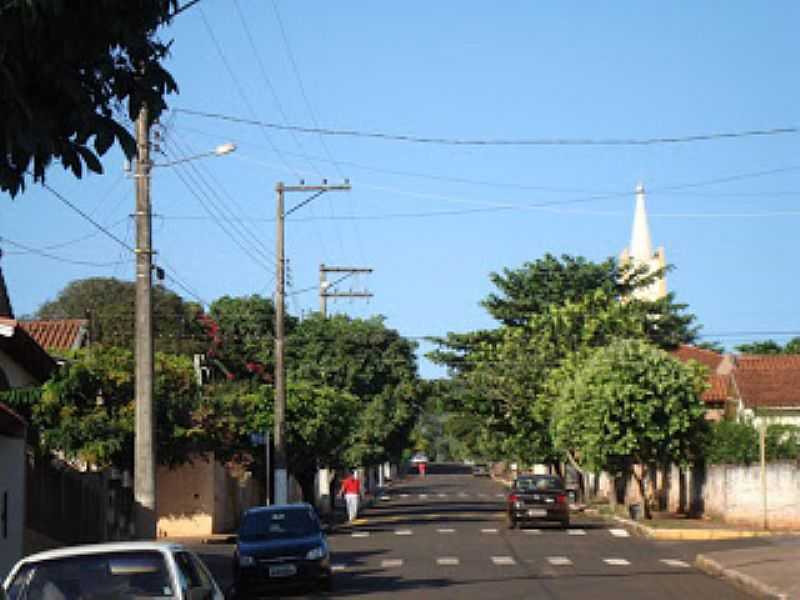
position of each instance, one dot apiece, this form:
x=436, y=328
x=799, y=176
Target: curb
x=739, y=579
x=694, y=535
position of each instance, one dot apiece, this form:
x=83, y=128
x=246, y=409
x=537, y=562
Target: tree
x=87, y=408
x=244, y=335
x=67, y=67
x=108, y=303
x=319, y=424
x=628, y=403
x=770, y=347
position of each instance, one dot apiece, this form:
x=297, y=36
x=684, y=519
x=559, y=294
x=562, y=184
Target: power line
x=240, y=89
x=39, y=252
x=259, y=260
x=87, y=217
x=705, y=137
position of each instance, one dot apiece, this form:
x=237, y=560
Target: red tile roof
x=705, y=357
x=57, y=334
x=769, y=380
x=719, y=385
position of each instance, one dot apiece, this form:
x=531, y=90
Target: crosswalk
x=490, y=531
x=510, y=561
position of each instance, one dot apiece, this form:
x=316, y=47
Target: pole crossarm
x=347, y=295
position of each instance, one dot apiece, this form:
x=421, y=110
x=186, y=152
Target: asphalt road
x=443, y=536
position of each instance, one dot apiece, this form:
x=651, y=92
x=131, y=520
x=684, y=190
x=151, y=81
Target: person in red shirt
x=351, y=490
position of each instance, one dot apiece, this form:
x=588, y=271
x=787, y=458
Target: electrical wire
x=220, y=219
x=704, y=137
x=44, y=254
x=240, y=89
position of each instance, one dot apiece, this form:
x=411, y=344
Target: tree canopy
x=67, y=69
x=108, y=303
x=770, y=347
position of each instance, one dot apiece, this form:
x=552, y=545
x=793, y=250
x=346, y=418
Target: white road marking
x=389, y=563
x=448, y=561
x=576, y=531
x=445, y=530
x=674, y=562
x=404, y=495
x=462, y=494
x=532, y=531
x=488, y=530
x=503, y=560
x=559, y=561
x=423, y=496
x=499, y=495
x=442, y=495
x=616, y=562
x=619, y=532
x=481, y=495
x=360, y=534
x=338, y=567
x=403, y=532
x=386, y=498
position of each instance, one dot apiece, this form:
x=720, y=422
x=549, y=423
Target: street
x=444, y=536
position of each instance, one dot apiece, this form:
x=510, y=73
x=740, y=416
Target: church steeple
x=640, y=252
x=5, y=303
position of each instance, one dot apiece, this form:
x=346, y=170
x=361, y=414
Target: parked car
x=119, y=570
x=480, y=470
x=279, y=545
x=538, y=498
x=419, y=457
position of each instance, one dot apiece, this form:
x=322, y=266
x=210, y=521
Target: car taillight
x=512, y=498
x=561, y=499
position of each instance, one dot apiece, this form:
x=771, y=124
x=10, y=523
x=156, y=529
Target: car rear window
x=278, y=524
x=541, y=483
x=101, y=576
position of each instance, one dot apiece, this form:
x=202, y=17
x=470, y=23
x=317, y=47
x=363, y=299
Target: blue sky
x=434, y=220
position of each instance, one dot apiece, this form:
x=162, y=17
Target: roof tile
x=57, y=334
x=769, y=380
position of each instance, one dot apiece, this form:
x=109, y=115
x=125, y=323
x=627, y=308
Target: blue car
x=280, y=545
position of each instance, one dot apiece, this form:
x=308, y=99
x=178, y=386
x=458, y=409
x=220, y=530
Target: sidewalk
x=768, y=571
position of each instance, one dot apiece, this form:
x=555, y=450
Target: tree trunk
x=640, y=481
x=306, y=480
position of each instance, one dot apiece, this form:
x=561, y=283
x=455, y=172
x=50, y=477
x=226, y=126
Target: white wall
x=12, y=482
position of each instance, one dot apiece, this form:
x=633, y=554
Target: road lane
x=444, y=536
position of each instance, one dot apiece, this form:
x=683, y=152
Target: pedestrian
x=422, y=467
x=351, y=490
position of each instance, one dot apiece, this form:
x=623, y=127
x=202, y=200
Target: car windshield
x=106, y=576
x=270, y=524
x=541, y=483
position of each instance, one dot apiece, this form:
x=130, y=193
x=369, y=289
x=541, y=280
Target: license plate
x=282, y=571
x=537, y=512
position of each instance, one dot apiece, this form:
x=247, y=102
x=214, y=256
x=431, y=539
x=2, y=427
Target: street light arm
x=220, y=150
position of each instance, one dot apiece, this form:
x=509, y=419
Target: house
x=768, y=388
x=58, y=335
x=719, y=398
x=12, y=488
x=23, y=363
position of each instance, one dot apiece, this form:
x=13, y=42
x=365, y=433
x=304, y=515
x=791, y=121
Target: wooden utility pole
x=281, y=478
x=324, y=285
x=144, y=461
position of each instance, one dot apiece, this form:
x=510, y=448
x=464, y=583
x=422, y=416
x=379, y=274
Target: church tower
x=640, y=252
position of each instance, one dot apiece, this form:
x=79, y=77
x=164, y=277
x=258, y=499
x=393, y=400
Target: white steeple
x=641, y=248
x=640, y=252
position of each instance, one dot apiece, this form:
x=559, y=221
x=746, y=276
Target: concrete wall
x=12, y=500
x=734, y=493
x=202, y=498
x=185, y=501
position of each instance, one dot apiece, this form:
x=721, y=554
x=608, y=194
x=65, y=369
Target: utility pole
x=324, y=285
x=281, y=477
x=144, y=476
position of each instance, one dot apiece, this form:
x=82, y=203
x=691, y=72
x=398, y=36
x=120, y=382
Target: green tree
x=628, y=403
x=770, y=347
x=243, y=333
x=67, y=67
x=87, y=409
x=108, y=303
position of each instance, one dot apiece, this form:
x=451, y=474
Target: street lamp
x=220, y=150
x=144, y=460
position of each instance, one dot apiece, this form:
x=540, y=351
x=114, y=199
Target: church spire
x=641, y=246
x=640, y=252
x=5, y=302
